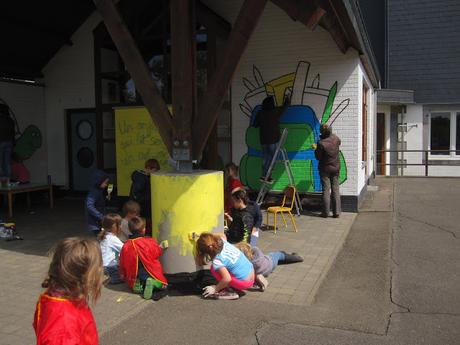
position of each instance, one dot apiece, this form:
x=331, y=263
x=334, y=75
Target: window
x=445, y=133
x=440, y=133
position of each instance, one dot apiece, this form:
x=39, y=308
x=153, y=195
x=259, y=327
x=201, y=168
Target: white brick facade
x=276, y=47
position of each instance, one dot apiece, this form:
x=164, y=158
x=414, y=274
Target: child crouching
x=266, y=264
x=140, y=266
x=62, y=314
x=228, y=265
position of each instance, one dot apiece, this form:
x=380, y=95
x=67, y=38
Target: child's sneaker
x=262, y=282
x=225, y=294
x=159, y=294
x=137, y=288
x=148, y=289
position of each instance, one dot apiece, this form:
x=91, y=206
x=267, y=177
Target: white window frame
x=453, y=129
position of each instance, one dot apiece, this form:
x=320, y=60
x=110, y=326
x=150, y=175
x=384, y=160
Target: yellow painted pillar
x=183, y=204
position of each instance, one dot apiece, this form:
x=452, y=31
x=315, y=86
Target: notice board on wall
x=136, y=140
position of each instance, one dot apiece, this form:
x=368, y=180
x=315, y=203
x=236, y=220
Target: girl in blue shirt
x=229, y=266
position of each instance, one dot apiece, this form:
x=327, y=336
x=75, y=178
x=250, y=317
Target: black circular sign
x=85, y=157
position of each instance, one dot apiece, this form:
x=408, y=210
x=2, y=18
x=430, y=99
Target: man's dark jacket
x=327, y=153
x=267, y=120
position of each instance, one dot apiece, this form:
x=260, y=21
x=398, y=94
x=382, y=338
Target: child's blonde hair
x=245, y=248
x=108, y=223
x=76, y=269
x=207, y=247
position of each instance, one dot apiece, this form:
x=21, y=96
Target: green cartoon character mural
x=28, y=142
x=310, y=107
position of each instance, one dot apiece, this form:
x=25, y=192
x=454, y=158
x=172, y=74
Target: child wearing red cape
x=139, y=264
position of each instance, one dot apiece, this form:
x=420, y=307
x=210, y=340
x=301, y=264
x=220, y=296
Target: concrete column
x=183, y=204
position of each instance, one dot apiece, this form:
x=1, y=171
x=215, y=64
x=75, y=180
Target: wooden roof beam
x=330, y=23
x=137, y=68
x=209, y=18
x=209, y=105
x=307, y=12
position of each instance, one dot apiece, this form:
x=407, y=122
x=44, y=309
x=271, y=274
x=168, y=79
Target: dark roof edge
x=366, y=53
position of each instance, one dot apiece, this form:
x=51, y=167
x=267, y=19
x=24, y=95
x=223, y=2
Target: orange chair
x=285, y=207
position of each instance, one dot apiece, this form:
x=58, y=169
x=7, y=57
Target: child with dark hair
x=245, y=218
x=62, y=315
x=228, y=265
x=140, y=266
x=140, y=186
x=232, y=184
x=95, y=201
x=111, y=246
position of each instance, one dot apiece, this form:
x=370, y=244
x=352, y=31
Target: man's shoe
x=324, y=215
x=336, y=216
x=262, y=282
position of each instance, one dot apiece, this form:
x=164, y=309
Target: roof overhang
x=392, y=96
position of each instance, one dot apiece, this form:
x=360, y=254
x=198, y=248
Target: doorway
x=82, y=134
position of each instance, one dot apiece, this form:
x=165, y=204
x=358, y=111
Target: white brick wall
x=69, y=80
x=276, y=47
x=28, y=104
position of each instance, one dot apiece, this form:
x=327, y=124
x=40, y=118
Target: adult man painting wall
x=327, y=153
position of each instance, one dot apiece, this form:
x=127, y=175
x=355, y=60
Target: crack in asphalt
x=429, y=224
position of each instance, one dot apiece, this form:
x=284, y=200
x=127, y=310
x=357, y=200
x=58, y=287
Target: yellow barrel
x=183, y=204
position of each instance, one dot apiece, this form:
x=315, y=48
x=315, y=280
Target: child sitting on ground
x=232, y=184
x=140, y=266
x=245, y=218
x=228, y=265
x=111, y=246
x=131, y=209
x=62, y=314
x=266, y=264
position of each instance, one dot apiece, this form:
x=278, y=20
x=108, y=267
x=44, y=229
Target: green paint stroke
x=329, y=103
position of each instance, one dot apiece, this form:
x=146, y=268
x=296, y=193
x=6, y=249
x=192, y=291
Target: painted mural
x=28, y=143
x=311, y=106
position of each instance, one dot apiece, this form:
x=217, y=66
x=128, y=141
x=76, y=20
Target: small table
x=25, y=188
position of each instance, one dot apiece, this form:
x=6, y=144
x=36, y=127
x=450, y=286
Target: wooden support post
x=245, y=24
x=212, y=145
x=183, y=65
x=137, y=68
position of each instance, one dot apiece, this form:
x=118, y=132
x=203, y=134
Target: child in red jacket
x=232, y=184
x=62, y=315
x=139, y=264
